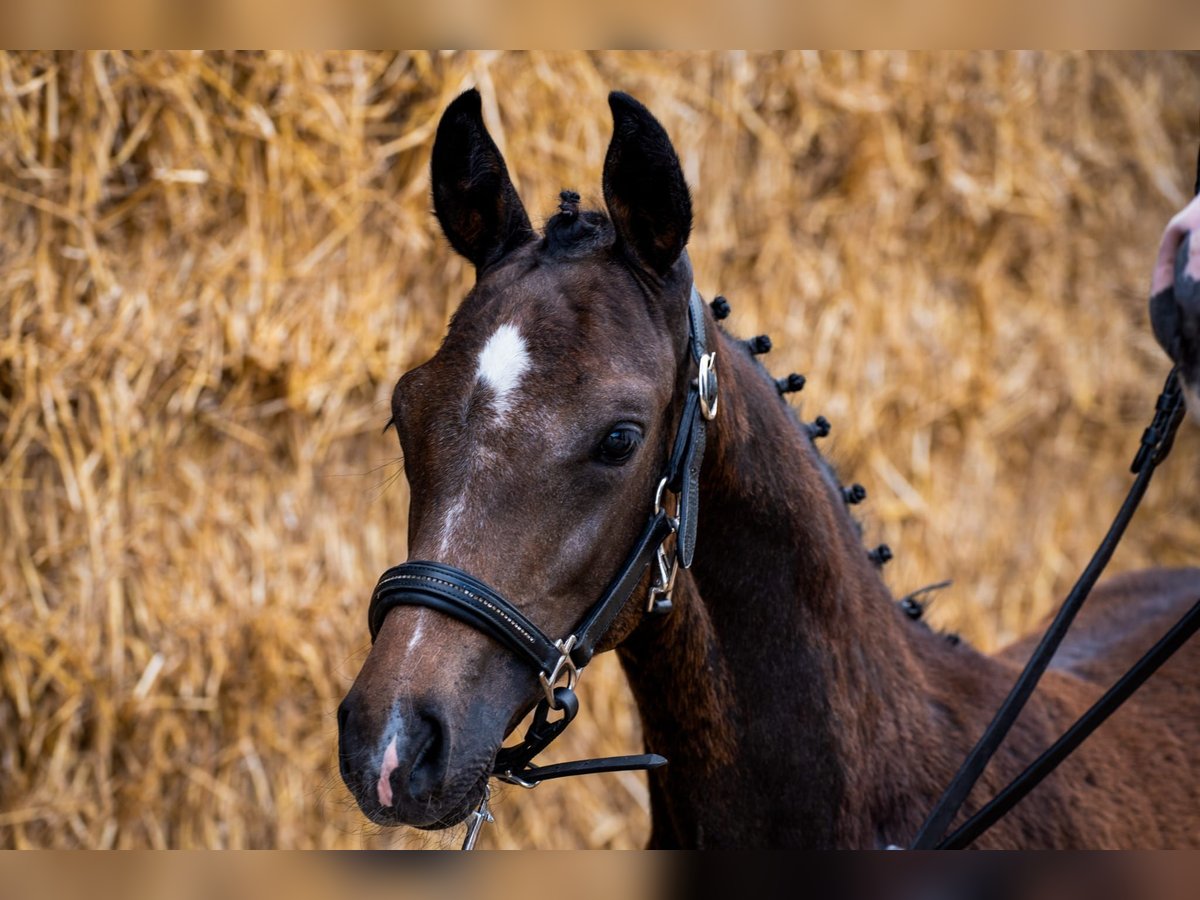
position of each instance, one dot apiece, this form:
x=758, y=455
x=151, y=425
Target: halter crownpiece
x=669, y=541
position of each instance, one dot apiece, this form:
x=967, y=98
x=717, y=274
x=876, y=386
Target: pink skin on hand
x=1187, y=219
x=386, y=768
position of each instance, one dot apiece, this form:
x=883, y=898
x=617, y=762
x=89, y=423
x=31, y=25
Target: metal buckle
x=706, y=381
x=658, y=498
x=564, y=666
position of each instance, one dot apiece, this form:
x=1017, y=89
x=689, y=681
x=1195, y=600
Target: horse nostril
x=429, y=761
x=399, y=774
x=349, y=748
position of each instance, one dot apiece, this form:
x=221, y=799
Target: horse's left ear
x=473, y=196
x=644, y=189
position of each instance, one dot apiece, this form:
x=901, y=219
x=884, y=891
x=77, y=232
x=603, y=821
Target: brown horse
x=797, y=703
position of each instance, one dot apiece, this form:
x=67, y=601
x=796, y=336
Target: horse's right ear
x=475, y=201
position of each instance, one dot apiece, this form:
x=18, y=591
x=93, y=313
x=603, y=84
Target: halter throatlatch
x=667, y=540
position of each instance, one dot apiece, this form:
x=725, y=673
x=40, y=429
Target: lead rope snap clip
x=478, y=818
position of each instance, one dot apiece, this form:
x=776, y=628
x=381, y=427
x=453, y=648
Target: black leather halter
x=461, y=596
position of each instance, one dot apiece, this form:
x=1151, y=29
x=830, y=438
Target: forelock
x=576, y=233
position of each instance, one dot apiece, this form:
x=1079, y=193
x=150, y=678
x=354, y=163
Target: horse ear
x=644, y=189
x=473, y=197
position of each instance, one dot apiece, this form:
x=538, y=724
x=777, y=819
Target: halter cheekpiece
x=667, y=541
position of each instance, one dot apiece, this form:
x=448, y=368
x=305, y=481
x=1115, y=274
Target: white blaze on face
x=452, y=516
x=503, y=360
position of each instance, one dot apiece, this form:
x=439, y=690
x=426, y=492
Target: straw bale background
x=214, y=267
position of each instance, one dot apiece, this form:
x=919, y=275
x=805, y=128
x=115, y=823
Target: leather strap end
x=689, y=497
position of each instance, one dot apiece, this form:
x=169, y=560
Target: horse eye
x=618, y=445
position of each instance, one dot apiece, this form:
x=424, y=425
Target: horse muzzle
x=408, y=772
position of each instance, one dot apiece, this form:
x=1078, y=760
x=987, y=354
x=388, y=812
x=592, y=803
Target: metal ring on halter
x=706, y=381
x=565, y=665
x=658, y=495
x=673, y=521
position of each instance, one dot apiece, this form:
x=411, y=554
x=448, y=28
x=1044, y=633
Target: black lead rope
x=1156, y=444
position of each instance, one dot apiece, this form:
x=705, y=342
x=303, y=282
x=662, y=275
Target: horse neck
x=785, y=688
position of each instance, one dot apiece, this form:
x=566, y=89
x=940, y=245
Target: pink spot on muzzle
x=390, y=762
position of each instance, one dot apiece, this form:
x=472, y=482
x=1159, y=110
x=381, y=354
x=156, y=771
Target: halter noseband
x=461, y=596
